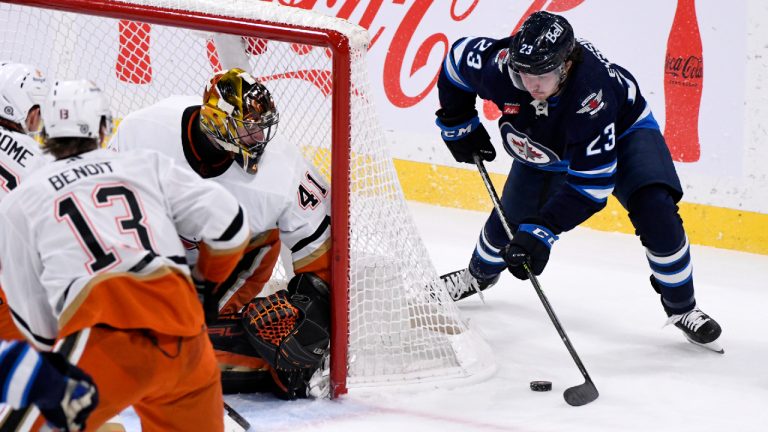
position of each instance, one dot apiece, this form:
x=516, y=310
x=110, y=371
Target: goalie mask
x=22, y=87
x=239, y=115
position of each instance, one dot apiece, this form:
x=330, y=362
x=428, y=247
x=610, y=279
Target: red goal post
x=392, y=323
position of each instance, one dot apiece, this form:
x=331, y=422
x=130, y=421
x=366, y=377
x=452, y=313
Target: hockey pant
x=172, y=382
x=8, y=330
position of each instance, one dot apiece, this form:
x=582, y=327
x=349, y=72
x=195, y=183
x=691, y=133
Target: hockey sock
x=654, y=214
x=486, y=262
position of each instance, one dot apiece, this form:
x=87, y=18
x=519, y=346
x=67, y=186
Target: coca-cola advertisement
x=698, y=78
x=683, y=84
x=659, y=41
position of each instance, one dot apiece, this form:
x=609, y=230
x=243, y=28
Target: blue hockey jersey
x=575, y=132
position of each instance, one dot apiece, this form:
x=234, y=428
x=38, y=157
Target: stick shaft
x=556, y=322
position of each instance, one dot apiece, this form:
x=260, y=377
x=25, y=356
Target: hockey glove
x=291, y=329
x=465, y=136
x=65, y=394
x=532, y=244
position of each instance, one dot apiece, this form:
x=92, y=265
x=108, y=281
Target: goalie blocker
x=291, y=331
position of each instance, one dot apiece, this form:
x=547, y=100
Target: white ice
x=649, y=377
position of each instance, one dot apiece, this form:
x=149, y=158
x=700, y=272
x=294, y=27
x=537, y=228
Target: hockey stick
x=575, y=396
x=232, y=416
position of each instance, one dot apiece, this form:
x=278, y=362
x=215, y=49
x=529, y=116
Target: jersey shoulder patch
x=592, y=104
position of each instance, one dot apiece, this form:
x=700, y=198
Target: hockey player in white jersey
x=229, y=138
x=22, y=89
x=93, y=267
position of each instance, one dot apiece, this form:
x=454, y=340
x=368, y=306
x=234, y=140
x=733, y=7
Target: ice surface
x=649, y=377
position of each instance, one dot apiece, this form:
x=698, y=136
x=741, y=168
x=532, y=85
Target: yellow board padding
x=705, y=225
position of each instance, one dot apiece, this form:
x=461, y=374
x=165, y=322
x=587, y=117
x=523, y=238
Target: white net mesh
x=403, y=328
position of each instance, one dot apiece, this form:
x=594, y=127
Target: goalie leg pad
x=290, y=329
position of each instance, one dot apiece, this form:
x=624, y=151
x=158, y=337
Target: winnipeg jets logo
x=592, y=103
x=522, y=148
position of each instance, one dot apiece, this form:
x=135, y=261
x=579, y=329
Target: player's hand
x=465, y=136
x=69, y=395
x=531, y=244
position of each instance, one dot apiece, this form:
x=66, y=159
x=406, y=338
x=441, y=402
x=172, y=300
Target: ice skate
x=699, y=328
x=461, y=284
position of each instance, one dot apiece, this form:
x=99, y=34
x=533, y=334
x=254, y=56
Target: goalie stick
x=581, y=394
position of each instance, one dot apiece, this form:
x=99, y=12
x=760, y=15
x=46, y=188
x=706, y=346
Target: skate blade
x=712, y=346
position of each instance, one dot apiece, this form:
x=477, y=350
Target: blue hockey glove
x=532, y=244
x=465, y=135
x=65, y=394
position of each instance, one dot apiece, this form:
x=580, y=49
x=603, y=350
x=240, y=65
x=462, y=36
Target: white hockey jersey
x=94, y=239
x=287, y=200
x=19, y=156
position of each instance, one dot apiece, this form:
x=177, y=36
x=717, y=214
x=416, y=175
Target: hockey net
x=393, y=322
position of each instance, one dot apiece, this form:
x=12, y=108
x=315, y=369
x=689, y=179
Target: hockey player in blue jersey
x=579, y=130
x=63, y=393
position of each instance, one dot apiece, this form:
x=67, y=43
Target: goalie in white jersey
x=226, y=140
x=22, y=90
x=93, y=266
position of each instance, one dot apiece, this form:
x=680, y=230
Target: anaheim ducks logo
x=522, y=148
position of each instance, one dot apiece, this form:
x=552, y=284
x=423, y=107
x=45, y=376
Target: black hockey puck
x=541, y=386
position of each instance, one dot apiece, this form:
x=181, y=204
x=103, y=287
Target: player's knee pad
x=290, y=329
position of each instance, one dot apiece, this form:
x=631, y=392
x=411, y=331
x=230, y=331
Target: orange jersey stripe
x=260, y=276
x=216, y=265
x=318, y=262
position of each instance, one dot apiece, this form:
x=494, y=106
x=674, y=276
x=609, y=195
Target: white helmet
x=74, y=109
x=21, y=87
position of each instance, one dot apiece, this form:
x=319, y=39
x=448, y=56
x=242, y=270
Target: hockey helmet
x=239, y=115
x=22, y=87
x=75, y=109
x=543, y=44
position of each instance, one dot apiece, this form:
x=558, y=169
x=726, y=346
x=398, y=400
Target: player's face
x=542, y=86
x=250, y=135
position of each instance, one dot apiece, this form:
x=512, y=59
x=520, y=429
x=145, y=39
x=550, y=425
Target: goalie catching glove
x=290, y=329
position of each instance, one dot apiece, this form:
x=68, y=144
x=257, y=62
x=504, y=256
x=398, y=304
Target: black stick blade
x=236, y=417
x=581, y=394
